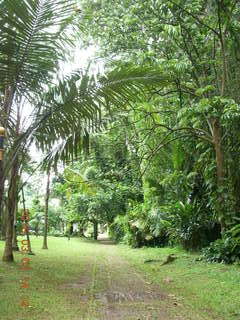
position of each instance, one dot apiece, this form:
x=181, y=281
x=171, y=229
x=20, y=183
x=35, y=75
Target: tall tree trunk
x=45, y=246
x=11, y=206
x=13, y=180
x=95, y=230
x=14, y=241
x=4, y=118
x=217, y=137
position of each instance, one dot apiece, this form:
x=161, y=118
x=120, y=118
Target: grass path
x=84, y=280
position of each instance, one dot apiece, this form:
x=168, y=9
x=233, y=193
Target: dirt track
x=111, y=289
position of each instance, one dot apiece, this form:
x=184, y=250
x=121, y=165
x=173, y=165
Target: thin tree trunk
x=15, y=241
x=71, y=228
x=95, y=230
x=81, y=230
x=45, y=246
x=217, y=136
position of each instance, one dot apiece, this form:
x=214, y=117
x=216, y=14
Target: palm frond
x=68, y=112
x=77, y=104
x=31, y=41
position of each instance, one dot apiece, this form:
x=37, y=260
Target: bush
x=226, y=250
x=118, y=228
x=191, y=226
x=141, y=226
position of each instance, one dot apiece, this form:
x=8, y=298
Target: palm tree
x=32, y=36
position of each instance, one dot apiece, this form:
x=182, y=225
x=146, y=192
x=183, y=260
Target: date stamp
x=25, y=261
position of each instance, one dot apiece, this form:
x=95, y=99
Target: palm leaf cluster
x=32, y=37
x=73, y=109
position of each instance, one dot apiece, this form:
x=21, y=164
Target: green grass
x=212, y=290
x=64, y=261
x=209, y=290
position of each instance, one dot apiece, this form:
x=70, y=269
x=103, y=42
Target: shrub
x=118, y=228
x=185, y=224
x=141, y=226
x=191, y=226
x=226, y=250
